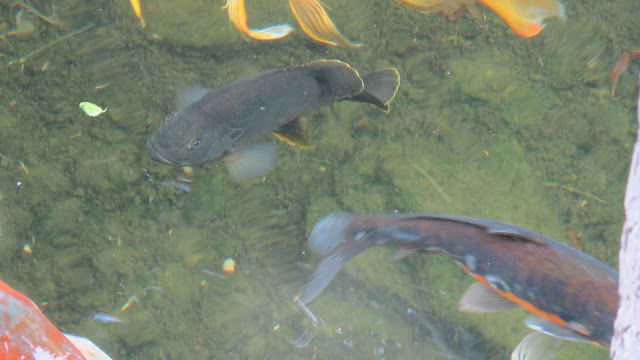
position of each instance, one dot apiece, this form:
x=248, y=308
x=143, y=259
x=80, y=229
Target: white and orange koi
x=28, y=335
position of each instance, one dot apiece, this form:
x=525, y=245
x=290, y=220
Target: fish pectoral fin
x=479, y=298
x=537, y=346
x=315, y=22
x=380, y=88
x=295, y=133
x=87, y=348
x=250, y=162
x=188, y=96
x=550, y=328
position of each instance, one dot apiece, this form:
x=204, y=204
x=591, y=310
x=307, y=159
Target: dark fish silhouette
x=574, y=296
x=224, y=120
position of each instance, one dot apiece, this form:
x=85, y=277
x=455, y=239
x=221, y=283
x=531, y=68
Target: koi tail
x=330, y=239
x=315, y=22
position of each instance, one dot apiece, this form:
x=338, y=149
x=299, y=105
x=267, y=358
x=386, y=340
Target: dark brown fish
x=222, y=120
x=574, y=296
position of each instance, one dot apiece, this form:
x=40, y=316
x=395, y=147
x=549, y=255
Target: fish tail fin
x=380, y=88
x=315, y=22
x=331, y=240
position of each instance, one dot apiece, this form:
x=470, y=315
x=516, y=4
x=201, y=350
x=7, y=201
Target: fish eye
x=193, y=144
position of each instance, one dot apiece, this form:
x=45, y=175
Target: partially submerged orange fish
x=26, y=334
x=311, y=16
x=574, y=296
x=525, y=17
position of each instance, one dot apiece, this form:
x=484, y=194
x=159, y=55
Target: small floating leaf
x=91, y=109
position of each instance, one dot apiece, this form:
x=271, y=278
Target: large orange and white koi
x=26, y=334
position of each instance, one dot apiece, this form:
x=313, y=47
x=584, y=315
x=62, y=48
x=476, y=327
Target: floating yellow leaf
x=91, y=109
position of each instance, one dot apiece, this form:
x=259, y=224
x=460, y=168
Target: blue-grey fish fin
x=328, y=233
x=380, y=88
x=550, y=328
x=328, y=239
x=328, y=268
x=251, y=161
x=537, y=346
x=337, y=79
x=188, y=96
x=295, y=133
x=479, y=298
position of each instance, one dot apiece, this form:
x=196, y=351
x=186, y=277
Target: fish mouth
x=155, y=154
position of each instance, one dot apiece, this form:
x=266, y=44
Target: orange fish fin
x=238, y=17
x=526, y=17
x=315, y=22
x=137, y=9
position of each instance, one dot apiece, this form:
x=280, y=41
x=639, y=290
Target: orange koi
x=573, y=296
x=27, y=334
x=526, y=17
x=238, y=17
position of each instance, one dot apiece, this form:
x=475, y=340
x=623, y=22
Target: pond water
x=485, y=124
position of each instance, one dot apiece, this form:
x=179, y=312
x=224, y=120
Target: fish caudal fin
x=87, y=348
x=380, y=88
x=250, y=162
x=315, y=22
x=238, y=17
x=329, y=240
x=537, y=346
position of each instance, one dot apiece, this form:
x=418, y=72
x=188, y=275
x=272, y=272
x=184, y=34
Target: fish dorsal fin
x=479, y=298
x=188, y=96
x=537, y=346
x=336, y=79
x=497, y=228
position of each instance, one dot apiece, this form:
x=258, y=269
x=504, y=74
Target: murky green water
x=490, y=118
